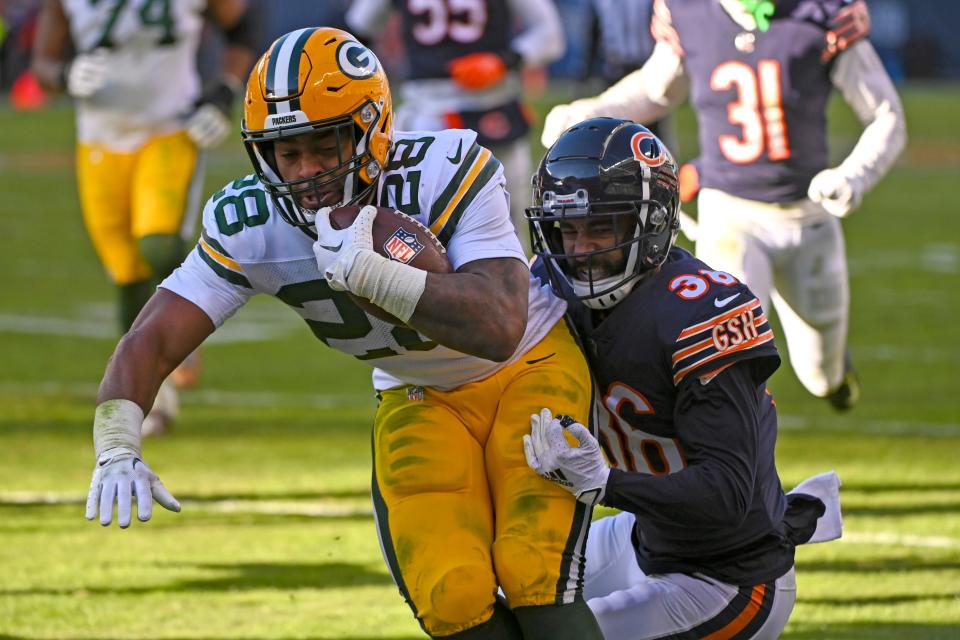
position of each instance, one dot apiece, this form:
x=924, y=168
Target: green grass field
x=270, y=458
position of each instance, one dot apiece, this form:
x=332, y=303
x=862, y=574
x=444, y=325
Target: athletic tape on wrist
x=393, y=286
x=117, y=424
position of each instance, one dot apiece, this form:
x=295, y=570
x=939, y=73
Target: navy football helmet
x=605, y=170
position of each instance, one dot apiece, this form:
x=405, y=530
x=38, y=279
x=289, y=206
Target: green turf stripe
x=228, y=275
x=488, y=171
x=440, y=204
x=213, y=243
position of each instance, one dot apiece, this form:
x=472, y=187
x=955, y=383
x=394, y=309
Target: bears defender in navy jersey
x=431, y=45
x=759, y=74
x=760, y=97
x=651, y=370
x=680, y=353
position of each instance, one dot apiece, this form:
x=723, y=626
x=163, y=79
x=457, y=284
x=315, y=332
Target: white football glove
x=337, y=249
x=208, y=126
x=562, y=117
x=88, y=73
x=835, y=192
x=580, y=470
x=121, y=475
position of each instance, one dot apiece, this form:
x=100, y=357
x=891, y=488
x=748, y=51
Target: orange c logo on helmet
x=638, y=152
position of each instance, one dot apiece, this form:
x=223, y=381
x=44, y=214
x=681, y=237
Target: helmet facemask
x=600, y=278
x=317, y=81
x=353, y=174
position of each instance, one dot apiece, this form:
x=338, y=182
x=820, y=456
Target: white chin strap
x=609, y=299
x=586, y=292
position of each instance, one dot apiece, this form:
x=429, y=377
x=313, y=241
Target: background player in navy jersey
x=680, y=353
x=464, y=64
x=759, y=75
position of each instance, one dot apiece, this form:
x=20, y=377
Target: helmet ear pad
x=602, y=169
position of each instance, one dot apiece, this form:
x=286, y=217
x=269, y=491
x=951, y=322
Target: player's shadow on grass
x=3, y=637
x=870, y=631
x=878, y=564
x=889, y=487
x=948, y=506
x=863, y=601
x=247, y=576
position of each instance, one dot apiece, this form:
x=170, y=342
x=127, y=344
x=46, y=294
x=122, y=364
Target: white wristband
x=393, y=286
x=117, y=424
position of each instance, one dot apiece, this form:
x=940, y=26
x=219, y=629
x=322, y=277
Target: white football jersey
x=152, y=47
x=445, y=180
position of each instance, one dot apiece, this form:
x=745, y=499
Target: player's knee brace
x=522, y=571
x=459, y=598
x=163, y=252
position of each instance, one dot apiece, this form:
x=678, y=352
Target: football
x=399, y=237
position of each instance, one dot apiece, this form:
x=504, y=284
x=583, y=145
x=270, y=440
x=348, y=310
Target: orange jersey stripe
x=706, y=342
x=763, y=337
x=661, y=27
x=739, y=623
x=709, y=324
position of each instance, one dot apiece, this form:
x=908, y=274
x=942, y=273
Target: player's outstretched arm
x=166, y=331
x=211, y=122
x=647, y=94
x=870, y=92
x=50, y=46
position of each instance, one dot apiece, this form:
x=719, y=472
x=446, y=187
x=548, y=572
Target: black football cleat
x=847, y=394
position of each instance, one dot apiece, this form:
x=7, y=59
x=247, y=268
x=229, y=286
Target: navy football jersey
x=435, y=34
x=681, y=366
x=760, y=97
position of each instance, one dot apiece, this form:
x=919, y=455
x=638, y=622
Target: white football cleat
x=165, y=409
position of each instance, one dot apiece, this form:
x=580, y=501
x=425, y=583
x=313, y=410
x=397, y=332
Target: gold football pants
x=458, y=510
x=127, y=196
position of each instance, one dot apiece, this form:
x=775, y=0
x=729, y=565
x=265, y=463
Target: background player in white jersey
x=458, y=510
x=464, y=65
x=760, y=73
x=142, y=119
x=681, y=353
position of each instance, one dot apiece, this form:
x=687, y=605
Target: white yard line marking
x=909, y=428
x=210, y=397
x=240, y=329
x=360, y=507
x=329, y=508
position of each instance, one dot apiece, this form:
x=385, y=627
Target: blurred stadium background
x=270, y=456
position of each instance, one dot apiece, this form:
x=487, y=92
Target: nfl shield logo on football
x=415, y=394
x=402, y=246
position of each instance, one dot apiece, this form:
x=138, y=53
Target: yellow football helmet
x=318, y=80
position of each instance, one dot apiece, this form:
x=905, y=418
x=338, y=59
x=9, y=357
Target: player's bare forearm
x=167, y=330
x=239, y=21
x=227, y=13
x=481, y=310
x=49, y=46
